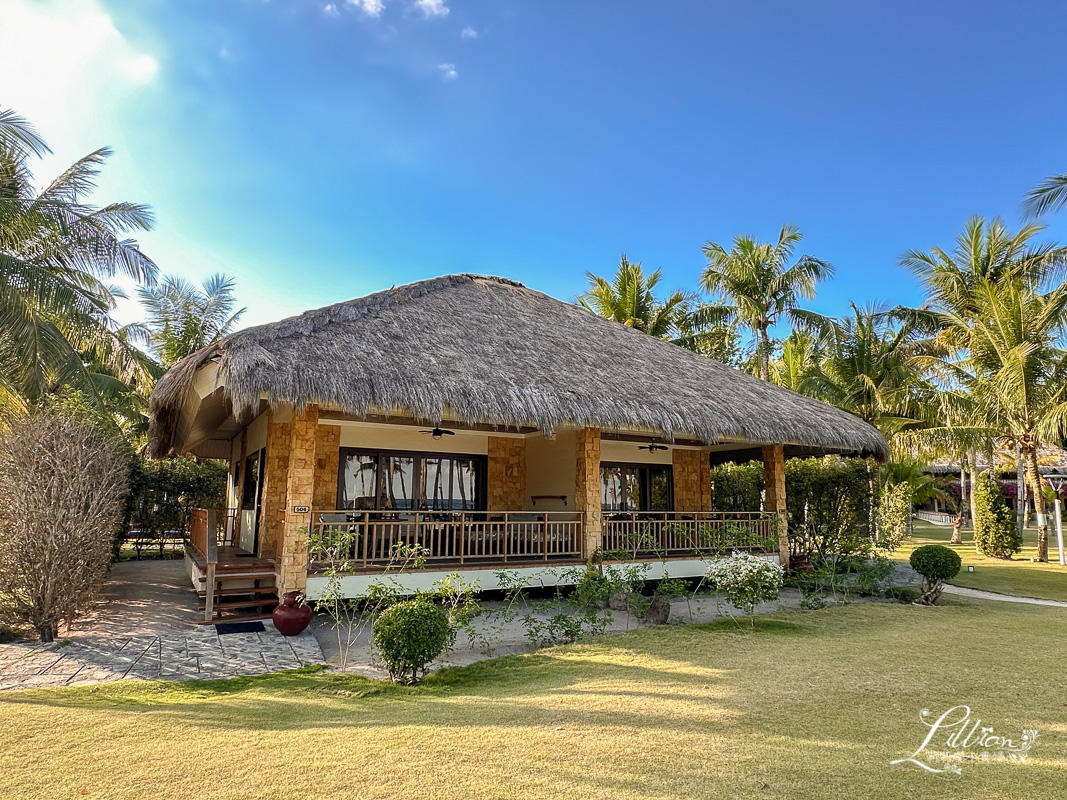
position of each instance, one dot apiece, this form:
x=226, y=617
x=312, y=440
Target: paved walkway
x=146, y=629
x=963, y=591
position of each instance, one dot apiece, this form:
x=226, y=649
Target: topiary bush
x=410, y=635
x=995, y=534
x=936, y=563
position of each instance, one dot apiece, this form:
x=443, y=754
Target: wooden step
x=239, y=576
x=255, y=590
x=243, y=604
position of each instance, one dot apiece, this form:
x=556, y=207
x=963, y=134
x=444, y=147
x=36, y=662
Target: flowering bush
x=746, y=580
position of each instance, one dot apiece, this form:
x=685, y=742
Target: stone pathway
x=146, y=629
x=199, y=653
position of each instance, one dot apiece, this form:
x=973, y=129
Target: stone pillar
x=587, y=488
x=272, y=497
x=300, y=493
x=506, y=474
x=774, y=495
x=691, y=473
x=327, y=464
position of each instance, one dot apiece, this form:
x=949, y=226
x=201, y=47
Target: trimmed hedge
x=995, y=533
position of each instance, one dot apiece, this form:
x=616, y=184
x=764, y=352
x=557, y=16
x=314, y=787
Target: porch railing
x=374, y=538
x=682, y=533
x=214, y=527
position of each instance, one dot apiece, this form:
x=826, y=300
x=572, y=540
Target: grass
x=1019, y=576
x=811, y=705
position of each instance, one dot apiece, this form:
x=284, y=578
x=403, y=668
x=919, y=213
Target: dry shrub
x=61, y=489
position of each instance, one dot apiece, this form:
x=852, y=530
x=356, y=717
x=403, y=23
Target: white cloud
x=372, y=8
x=468, y=33
x=83, y=70
x=432, y=8
x=330, y=10
x=448, y=71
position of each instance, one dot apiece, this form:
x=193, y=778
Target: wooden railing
x=374, y=538
x=672, y=534
x=209, y=528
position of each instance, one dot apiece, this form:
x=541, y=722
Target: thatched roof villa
x=488, y=423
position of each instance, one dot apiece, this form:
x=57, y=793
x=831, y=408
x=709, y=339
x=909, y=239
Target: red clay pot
x=291, y=617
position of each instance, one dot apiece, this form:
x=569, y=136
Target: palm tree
x=963, y=286
x=866, y=368
x=56, y=252
x=760, y=285
x=1049, y=195
x=1013, y=347
x=801, y=355
x=183, y=319
x=628, y=298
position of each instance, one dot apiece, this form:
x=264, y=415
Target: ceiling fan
x=437, y=433
x=652, y=447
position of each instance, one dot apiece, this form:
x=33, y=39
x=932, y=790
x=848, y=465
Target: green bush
x=409, y=635
x=995, y=534
x=828, y=501
x=903, y=594
x=936, y=563
x=893, y=516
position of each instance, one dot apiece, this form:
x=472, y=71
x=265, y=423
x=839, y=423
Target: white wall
x=359, y=585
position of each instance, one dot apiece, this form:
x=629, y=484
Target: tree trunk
x=963, y=490
x=765, y=355
x=974, y=479
x=1020, y=492
x=1039, y=504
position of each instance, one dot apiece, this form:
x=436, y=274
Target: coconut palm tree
x=628, y=298
x=1049, y=195
x=759, y=284
x=183, y=319
x=1014, y=348
x=865, y=367
x=962, y=286
x=800, y=357
x=56, y=253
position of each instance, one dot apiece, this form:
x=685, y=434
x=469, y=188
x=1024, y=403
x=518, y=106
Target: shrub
x=936, y=563
x=409, y=635
x=746, y=580
x=995, y=534
x=893, y=516
x=61, y=489
x=163, y=495
x=829, y=501
x=903, y=594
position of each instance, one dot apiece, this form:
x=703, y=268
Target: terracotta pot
x=291, y=617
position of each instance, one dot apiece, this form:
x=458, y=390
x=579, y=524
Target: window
x=635, y=487
x=410, y=481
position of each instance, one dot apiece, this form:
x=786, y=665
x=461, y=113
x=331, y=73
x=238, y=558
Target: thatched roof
x=488, y=350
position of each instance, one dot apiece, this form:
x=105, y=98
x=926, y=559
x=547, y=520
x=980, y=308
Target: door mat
x=239, y=627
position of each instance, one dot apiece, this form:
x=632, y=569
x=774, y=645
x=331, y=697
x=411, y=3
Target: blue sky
x=320, y=151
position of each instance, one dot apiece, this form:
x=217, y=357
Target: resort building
x=489, y=425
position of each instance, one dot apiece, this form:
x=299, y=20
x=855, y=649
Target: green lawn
x=1018, y=576
x=812, y=705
